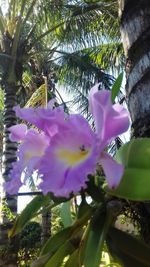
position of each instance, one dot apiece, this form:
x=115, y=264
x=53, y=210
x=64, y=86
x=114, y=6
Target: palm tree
x=135, y=25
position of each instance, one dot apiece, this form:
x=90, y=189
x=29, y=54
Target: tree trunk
x=9, y=258
x=46, y=226
x=135, y=31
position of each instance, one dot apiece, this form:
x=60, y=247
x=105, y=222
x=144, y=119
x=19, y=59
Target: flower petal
x=12, y=186
x=112, y=170
x=43, y=118
x=29, y=155
x=17, y=132
x=34, y=145
x=111, y=120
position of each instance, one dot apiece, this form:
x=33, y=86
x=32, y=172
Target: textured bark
x=46, y=226
x=135, y=31
x=9, y=258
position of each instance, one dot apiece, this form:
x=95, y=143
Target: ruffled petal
x=12, y=186
x=112, y=169
x=116, y=122
x=111, y=120
x=29, y=154
x=45, y=119
x=34, y=145
x=17, y=132
x=96, y=109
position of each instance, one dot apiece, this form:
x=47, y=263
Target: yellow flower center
x=72, y=158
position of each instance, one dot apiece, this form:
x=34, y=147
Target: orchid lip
x=74, y=157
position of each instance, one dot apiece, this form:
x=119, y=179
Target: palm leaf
x=38, y=98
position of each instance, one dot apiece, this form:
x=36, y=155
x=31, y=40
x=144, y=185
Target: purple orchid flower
x=67, y=149
x=31, y=149
x=110, y=121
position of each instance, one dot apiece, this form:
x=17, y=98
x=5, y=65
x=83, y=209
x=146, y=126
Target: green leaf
x=55, y=259
x=136, y=153
x=135, y=182
x=130, y=250
x=61, y=245
x=83, y=244
x=83, y=208
x=96, y=236
x=116, y=87
x=56, y=241
x=40, y=262
x=65, y=214
x=61, y=253
x=73, y=260
x=28, y=213
x=135, y=185
x=54, y=245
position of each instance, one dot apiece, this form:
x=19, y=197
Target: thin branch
x=30, y=10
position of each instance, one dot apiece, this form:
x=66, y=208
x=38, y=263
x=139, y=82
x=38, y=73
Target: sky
x=23, y=200
x=3, y=5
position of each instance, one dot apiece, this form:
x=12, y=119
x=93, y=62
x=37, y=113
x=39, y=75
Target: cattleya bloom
x=65, y=149
x=31, y=149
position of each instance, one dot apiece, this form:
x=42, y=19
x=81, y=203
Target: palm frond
x=38, y=98
x=79, y=70
x=90, y=23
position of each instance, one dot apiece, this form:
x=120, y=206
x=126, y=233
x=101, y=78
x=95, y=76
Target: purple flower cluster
x=64, y=149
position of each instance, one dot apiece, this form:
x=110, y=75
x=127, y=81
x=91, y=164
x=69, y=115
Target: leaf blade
x=135, y=183
x=28, y=213
x=116, y=86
